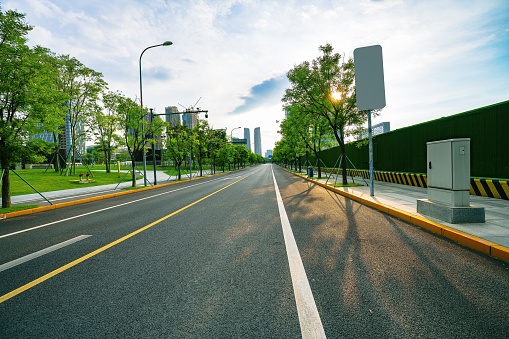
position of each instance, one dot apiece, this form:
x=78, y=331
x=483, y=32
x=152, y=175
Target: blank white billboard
x=369, y=77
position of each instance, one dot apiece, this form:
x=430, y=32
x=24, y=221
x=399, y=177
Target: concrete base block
x=450, y=214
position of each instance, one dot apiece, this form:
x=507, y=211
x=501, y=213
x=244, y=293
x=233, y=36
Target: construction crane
x=194, y=109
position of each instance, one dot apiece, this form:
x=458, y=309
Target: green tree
x=178, y=143
x=312, y=88
x=202, y=137
x=105, y=123
x=224, y=155
x=218, y=137
x=241, y=155
x=83, y=86
x=136, y=130
x=304, y=130
x=29, y=103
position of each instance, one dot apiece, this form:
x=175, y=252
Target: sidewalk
x=55, y=196
x=404, y=198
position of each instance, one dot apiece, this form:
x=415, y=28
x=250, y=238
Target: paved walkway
x=404, y=198
x=82, y=192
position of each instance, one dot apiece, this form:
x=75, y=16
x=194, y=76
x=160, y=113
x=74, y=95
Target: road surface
x=257, y=253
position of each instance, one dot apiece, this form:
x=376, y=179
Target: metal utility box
x=448, y=171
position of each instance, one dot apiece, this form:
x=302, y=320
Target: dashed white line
x=309, y=319
x=37, y=254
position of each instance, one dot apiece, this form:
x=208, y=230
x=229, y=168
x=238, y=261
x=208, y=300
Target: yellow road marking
x=102, y=249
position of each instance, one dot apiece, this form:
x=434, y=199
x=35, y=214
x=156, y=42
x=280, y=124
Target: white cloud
x=440, y=57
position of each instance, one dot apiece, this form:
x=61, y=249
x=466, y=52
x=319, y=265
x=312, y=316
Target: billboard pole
x=370, y=91
x=370, y=137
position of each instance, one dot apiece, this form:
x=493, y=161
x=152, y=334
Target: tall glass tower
x=257, y=141
x=247, y=136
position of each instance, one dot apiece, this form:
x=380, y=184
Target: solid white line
x=310, y=323
x=37, y=254
x=101, y=210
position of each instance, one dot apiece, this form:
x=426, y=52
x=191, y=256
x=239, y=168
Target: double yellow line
x=102, y=249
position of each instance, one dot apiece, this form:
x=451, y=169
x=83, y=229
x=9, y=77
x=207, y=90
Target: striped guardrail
x=492, y=188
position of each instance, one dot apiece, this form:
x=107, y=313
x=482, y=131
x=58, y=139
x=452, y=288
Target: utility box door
x=439, y=173
x=461, y=164
x=448, y=164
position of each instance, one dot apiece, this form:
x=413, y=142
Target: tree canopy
x=322, y=91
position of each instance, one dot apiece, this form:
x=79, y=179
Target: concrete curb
x=112, y=195
x=478, y=244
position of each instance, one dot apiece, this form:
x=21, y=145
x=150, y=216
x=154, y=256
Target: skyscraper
x=190, y=120
x=173, y=119
x=65, y=137
x=257, y=141
x=247, y=136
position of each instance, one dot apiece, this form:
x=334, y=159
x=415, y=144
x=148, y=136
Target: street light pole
x=166, y=43
x=231, y=133
x=153, y=146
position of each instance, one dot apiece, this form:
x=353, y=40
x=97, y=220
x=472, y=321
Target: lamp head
x=167, y=43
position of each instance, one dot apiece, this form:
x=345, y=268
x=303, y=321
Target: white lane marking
x=37, y=254
x=310, y=322
x=101, y=210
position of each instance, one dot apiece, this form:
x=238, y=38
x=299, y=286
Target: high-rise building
x=377, y=129
x=247, y=136
x=268, y=154
x=173, y=119
x=190, y=119
x=257, y=141
x=66, y=137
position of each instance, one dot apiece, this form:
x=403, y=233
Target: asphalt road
x=209, y=259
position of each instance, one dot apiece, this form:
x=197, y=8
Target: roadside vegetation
x=17, y=208
x=53, y=181
x=321, y=108
x=40, y=89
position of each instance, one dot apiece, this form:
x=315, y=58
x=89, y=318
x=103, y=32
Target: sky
x=440, y=57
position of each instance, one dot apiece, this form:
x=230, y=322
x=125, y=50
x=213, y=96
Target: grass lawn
x=53, y=181
x=350, y=184
x=17, y=208
x=133, y=188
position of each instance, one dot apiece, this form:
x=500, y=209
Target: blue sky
x=441, y=57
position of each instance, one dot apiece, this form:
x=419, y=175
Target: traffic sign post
x=370, y=90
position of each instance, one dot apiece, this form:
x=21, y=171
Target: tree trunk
x=343, y=163
x=6, y=184
x=319, y=166
x=73, y=161
x=133, y=172
x=108, y=160
x=57, y=153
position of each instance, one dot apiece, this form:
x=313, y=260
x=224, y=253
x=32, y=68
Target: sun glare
x=336, y=95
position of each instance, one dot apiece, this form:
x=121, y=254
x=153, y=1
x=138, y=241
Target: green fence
x=404, y=149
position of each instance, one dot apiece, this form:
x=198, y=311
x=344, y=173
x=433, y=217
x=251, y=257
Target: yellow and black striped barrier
x=492, y=188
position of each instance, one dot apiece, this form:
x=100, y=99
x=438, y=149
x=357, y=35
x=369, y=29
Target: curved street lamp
x=166, y=43
x=231, y=133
